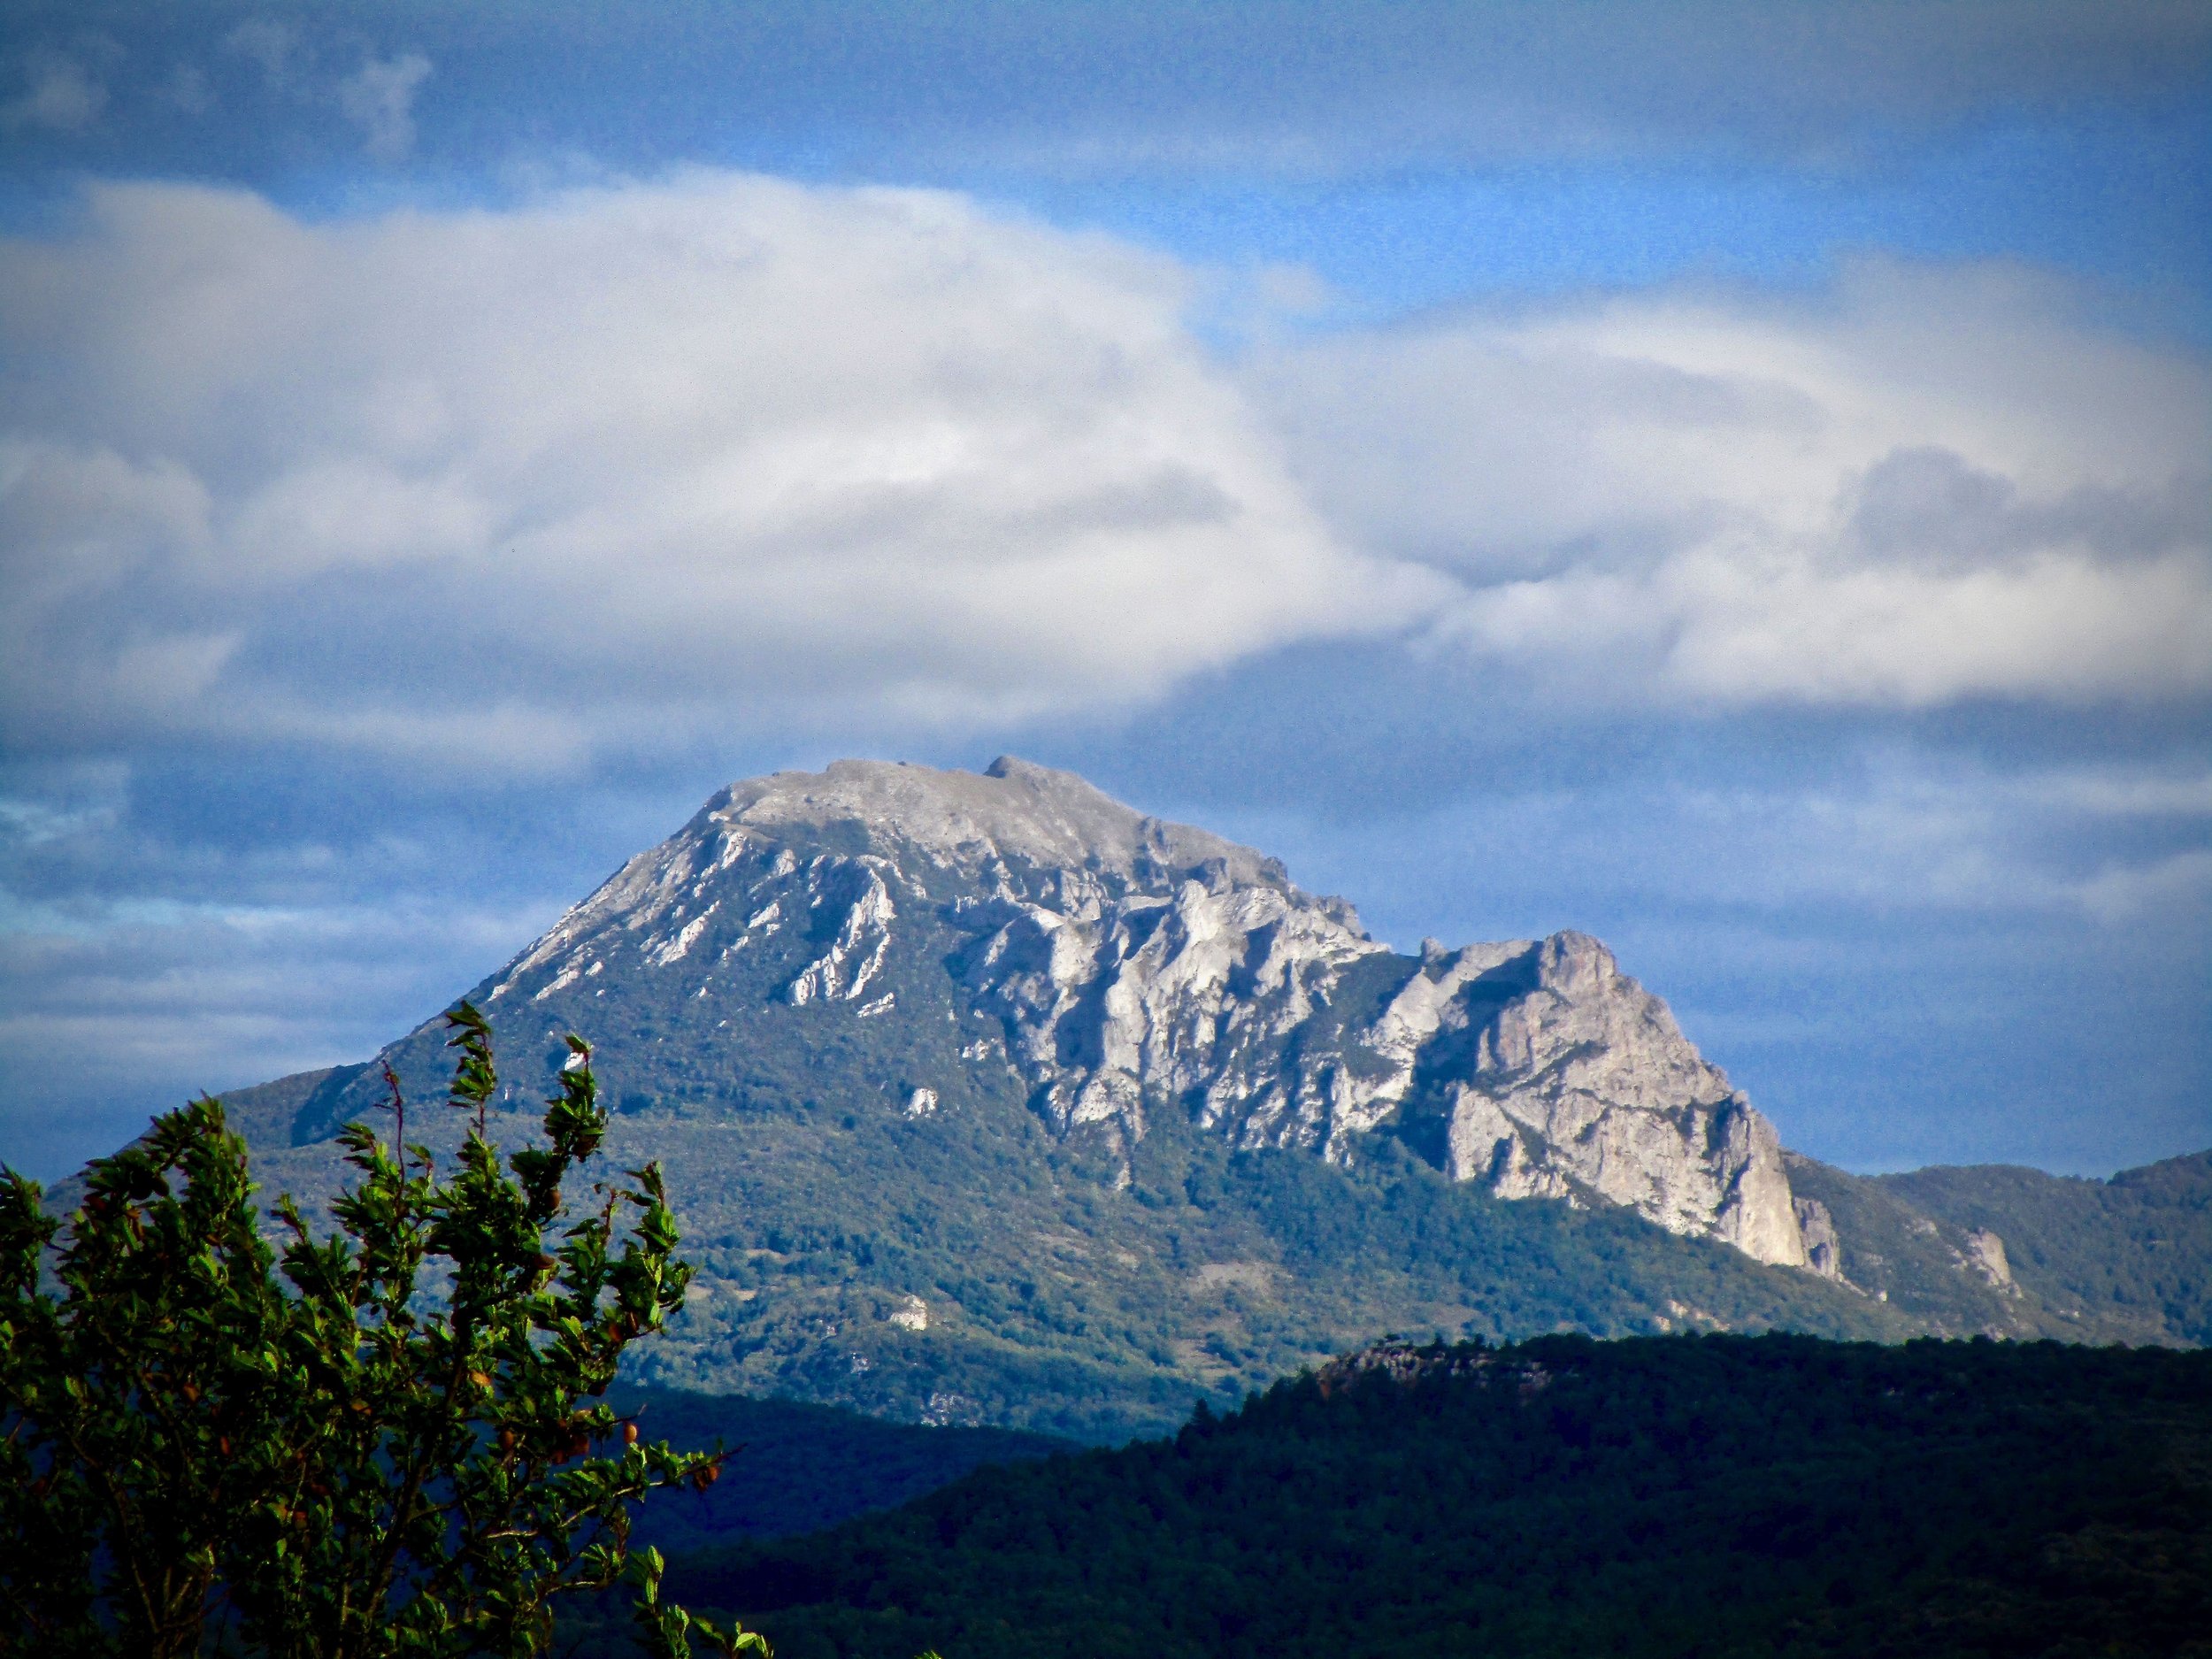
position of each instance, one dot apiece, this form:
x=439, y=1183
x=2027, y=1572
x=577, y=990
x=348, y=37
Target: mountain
x=1113, y=966
x=986, y=1098
x=1713, y=1496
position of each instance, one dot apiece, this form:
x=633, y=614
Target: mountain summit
x=985, y=1097
x=1011, y=810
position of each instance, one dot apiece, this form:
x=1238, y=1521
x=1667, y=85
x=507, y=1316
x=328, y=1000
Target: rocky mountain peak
x=1018, y=927
x=891, y=1030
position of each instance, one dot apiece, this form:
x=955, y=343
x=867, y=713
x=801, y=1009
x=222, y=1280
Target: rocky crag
x=983, y=1090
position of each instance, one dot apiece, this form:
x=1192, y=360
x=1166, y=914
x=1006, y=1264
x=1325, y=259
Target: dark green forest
x=1709, y=1495
x=806, y=1467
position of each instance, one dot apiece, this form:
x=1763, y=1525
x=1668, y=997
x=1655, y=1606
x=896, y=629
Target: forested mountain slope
x=799, y=1467
x=1715, y=1496
x=970, y=1268
x=2137, y=1247
x=2015, y=1251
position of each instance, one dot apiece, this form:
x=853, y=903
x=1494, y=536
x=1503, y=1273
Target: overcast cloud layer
x=604, y=470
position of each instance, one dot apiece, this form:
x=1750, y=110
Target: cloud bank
x=620, y=465
x=619, y=468
x=304, y=523
x=1924, y=486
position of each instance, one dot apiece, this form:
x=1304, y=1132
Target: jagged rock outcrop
x=1984, y=1255
x=1403, y=1365
x=1121, y=966
x=1824, y=1249
x=1584, y=1084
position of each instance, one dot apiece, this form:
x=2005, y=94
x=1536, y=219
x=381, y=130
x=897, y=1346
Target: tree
x=143, y=1402
x=396, y=1455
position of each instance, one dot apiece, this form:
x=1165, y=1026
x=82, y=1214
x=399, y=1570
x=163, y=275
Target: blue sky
x=1730, y=478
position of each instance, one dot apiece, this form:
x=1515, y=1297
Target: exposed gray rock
x=1584, y=1084
x=1128, y=966
x=1823, y=1250
x=1985, y=1256
x=1013, y=811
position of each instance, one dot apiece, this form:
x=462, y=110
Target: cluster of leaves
x=1650, y=1497
x=390, y=1450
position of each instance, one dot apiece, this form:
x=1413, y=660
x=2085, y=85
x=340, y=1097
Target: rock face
x=1121, y=966
x=1985, y=1256
x=1584, y=1084
x=1823, y=1250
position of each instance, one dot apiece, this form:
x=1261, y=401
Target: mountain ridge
x=986, y=1098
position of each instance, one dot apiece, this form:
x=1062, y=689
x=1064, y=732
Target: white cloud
x=379, y=99
x=619, y=467
x=61, y=96
x=2130, y=793
x=1928, y=486
x=623, y=468
x=189, y=91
